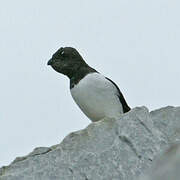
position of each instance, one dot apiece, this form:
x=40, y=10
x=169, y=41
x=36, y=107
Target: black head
x=67, y=61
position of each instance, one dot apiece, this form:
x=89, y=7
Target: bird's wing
x=125, y=106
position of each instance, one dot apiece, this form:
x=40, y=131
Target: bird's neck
x=80, y=73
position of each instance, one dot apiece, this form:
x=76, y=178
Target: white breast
x=97, y=97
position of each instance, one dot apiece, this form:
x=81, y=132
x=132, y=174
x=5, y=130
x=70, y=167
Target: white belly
x=97, y=97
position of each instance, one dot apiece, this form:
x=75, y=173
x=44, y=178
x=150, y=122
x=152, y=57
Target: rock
x=167, y=120
x=111, y=149
x=167, y=167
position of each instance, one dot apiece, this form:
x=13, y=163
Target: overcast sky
x=136, y=43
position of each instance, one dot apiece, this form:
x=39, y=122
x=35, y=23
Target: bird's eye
x=64, y=54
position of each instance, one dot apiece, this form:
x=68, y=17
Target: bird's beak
x=50, y=62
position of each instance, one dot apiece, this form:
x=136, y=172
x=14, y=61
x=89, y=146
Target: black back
x=125, y=106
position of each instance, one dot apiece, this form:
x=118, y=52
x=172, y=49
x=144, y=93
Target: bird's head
x=66, y=61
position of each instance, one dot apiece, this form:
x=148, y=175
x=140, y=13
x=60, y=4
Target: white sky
x=136, y=43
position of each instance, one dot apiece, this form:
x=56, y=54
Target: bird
x=96, y=95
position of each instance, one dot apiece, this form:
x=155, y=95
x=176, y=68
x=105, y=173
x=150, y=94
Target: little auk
x=96, y=95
